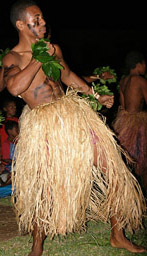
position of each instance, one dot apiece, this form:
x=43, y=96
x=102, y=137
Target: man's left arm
x=70, y=79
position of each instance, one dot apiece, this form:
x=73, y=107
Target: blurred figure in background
x=130, y=124
x=8, y=147
x=9, y=108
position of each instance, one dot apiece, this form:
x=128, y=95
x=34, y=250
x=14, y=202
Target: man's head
x=135, y=59
x=11, y=128
x=18, y=10
x=9, y=106
x=26, y=17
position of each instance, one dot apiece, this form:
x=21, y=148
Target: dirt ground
x=8, y=225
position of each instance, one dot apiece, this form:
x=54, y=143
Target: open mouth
x=43, y=30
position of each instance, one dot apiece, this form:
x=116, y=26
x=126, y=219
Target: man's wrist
x=96, y=95
x=91, y=91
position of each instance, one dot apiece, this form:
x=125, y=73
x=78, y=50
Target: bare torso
x=42, y=89
x=133, y=93
x=24, y=76
x=44, y=92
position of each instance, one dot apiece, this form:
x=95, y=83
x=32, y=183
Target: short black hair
x=7, y=101
x=18, y=10
x=9, y=125
x=132, y=59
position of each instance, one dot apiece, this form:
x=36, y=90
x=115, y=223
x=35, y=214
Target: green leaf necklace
x=50, y=65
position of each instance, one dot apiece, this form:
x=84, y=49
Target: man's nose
x=43, y=22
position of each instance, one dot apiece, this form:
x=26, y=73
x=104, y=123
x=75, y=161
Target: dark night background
x=90, y=34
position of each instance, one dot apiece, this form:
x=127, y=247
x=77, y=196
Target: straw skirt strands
x=131, y=129
x=56, y=185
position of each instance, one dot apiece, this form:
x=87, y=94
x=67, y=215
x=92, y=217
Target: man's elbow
x=12, y=89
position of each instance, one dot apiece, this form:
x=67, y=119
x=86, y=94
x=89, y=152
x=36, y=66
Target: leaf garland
x=101, y=87
x=3, y=53
x=50, y=65
x=100, y=70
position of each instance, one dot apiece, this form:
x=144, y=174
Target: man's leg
x=117, y=237
x=38, y=240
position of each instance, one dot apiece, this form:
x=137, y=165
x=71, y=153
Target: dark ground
x=8, y=225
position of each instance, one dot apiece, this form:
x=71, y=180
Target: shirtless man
x=131, y=121
x=133, y=87
x=27, y=69
x=26, y=78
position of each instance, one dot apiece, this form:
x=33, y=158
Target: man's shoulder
x=11, y=58
x=138, y=82
x=140, y=79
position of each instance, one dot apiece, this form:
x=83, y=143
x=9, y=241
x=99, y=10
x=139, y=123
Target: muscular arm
x=90, y=79
x=122, y=89
x=70, y=79
x=18, y=80
x=144, y=89
x=2, y=83
x=121, y=99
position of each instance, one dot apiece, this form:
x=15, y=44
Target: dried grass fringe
x=54, y=182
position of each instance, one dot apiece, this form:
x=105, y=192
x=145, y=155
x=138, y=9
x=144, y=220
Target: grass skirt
x=54, y=182
x=131, y=130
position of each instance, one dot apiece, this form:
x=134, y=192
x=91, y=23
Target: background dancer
x=130, y=124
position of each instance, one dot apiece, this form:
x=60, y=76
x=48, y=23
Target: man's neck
x=10, y=116
x=25, y=43
x=134, y=72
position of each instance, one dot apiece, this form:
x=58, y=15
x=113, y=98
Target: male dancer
x=61, y=140
x=130, y=124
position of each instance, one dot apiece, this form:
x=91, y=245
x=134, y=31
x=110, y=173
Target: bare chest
x=42, y=92
x=24, y=59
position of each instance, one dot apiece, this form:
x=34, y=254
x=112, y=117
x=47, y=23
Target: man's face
x=14, y=131
x=143, y=68
x=10, y=109
x=35, y=22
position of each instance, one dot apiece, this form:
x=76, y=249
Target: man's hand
x=52, y=49
x=106, y=100
x=106, y=75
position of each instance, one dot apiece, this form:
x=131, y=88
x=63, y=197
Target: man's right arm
x=17, y=80
x=144, y=89
x=2, y=82
x=121, y=95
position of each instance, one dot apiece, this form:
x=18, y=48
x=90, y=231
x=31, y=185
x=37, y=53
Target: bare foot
x=124, y=243
x=35, y=253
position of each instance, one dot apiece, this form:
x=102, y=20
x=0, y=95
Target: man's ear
x=19, y=24
x=139, y=66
